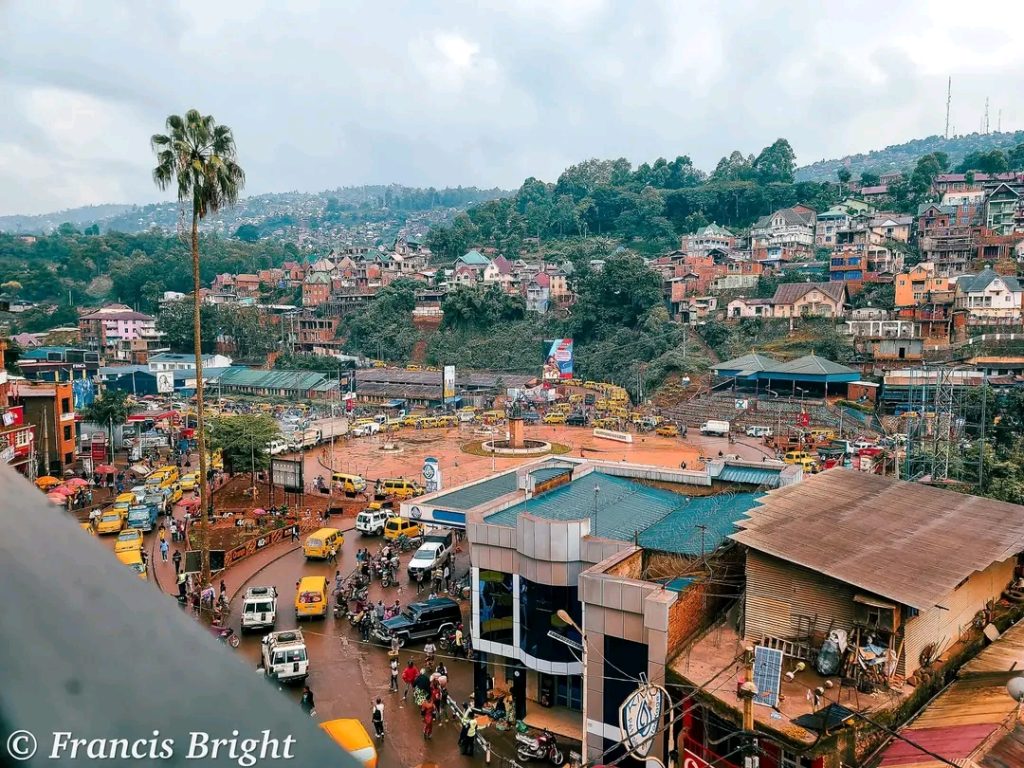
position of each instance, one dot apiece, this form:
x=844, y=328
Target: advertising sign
x=639, y=717
x=288, y=474
x=98, y=447
x=431, y=475
x=448, y=387
x=557, y=359
x=164, y=382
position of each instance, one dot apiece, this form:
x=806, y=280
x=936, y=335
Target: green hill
x=901, y=157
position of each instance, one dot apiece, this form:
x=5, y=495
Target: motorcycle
x=542, y=747
x=446, y=640
x=226, y=635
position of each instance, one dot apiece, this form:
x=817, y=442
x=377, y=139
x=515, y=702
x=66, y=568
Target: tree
x=199, y=158
x=993, y=161
x=244, y=441
x=175, y=321
x=869, y=179
x=248, y=233
x=108, y=410
x=92, y=230
x=844, y=175
x=776, y=163
x=1015, y=158
x=617, y=296
x=481, y=308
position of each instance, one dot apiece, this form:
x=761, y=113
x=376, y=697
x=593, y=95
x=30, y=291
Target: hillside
x=272, y=213
x=901, y=157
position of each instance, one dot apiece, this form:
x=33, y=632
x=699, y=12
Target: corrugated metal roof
x=812, y=365
x=765, y=476
x=678, y=531
x=752, y=362
x=475, y=495
x=909, y=542
x=275, y=379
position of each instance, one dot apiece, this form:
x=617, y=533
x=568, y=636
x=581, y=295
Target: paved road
x=346, y=675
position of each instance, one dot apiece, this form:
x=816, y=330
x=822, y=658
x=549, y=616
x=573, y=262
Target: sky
x=322, y=95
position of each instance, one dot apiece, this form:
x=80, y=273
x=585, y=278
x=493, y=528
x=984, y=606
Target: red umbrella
x=106, y=469
x=77, y=482
x=259, y=511
x=57, y=498
x=63, y=490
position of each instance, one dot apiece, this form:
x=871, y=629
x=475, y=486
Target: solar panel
x=767, y=675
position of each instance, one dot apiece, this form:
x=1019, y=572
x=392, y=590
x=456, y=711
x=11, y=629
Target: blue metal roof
x=481, y=493
x=768, y=476
x=679, y=532
x=623, y=509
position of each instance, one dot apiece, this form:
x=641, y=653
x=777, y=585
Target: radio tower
x=986, y=114
x=949, y=98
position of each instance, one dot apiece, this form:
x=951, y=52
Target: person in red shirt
x=408, y=677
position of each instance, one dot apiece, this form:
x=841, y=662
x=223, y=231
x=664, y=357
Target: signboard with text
x=558, y=359
x=448, y=386
x=287, y=473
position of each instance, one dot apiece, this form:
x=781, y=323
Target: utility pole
x=981, y=441
x=46, y=441
x=986, y=115
x=949, y=99
x=748, y=690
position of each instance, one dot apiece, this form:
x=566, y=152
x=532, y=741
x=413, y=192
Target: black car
x=422, y=620
x=577, y=420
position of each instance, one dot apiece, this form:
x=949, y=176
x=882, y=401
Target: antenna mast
x=949, y=98
x=986, y=115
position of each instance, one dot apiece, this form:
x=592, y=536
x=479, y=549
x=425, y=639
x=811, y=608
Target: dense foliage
x=238, y=326
x=133, y=269
x=243, y=440
x=384, y=331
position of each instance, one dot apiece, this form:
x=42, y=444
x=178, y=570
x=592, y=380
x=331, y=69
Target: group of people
x=429, y=688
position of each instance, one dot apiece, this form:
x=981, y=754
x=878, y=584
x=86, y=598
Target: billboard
x=448, y=384
x=288, y=474
x=557, y=359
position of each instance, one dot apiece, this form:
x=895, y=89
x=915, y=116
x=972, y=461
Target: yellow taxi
x=590, y=385
x=128, y=540
x=133, y=559
x=808, y=464
x=400, y=526
x=556, y=417
x=413, y=367
x=427, y=422
x=349, y=734
x=606, y=422
x=189, y=482
x=410, y=420
x=320, y=543
x=111, y=521
x=311, y=597
x=667, y=430
x=796, y=457
x=175, y=496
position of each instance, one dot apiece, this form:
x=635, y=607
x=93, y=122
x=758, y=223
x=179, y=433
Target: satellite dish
x=1015, y=687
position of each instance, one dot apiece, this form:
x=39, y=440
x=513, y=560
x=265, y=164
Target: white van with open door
x=259, y=608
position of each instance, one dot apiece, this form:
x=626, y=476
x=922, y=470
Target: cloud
x=430, y=93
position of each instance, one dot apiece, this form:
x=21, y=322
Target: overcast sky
x=477, y=93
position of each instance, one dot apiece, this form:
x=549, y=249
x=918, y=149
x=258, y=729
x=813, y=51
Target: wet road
x=346, y=675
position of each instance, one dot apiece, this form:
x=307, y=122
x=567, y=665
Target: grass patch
x=476, y=448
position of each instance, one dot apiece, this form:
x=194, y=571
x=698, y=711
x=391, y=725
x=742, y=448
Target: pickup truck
x=717, y=427
x=430, y=555
x=367, y=428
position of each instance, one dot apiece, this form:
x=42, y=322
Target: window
x=538, y=607
x=65, y=404
x=497, y=613
x=67, y=433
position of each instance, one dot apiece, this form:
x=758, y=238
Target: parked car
x=369, y=428
x=430, y=555
x=667, y=430
x=259, y=608
x=758, y=431
x=576, y=420
x=718, y=427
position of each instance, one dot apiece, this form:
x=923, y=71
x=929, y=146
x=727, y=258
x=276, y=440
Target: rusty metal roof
x=908, y=542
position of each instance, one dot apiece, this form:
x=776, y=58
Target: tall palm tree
x=198, y=157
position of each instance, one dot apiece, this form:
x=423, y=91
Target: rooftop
x=903, y=541
x=481, y=493
x=276, y=379
x=624, y=510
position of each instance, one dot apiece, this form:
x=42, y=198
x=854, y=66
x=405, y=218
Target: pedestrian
x=408, y=677
x=396, y=609
x=436, y=584
x=176, y=559
x=337, y=581
x=295, y=532
x=470, y=725
x=459, y=641
x=364, y=625
x=446, y=578
x=164, y=546
x=394, y=675
x=162, y=534
x=378, y=718
x=223, y=588
x=442, y=701
x=306, y=702
x=182, y=586
x=419, y=581
x=379, y=610
x=332, y=555
x=427, y=712
x=430, y=650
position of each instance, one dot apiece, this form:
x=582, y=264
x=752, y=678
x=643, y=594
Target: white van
x=276, y=446
x=259, y=608
x=284, y=656
x=716, y=427
x=758, y=431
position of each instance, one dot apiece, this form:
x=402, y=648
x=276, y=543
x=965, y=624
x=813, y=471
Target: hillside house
x=810, y=300
x=918, y=285
x=785, y=235
x=989, y=298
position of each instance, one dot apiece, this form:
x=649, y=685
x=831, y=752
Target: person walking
x=338, y=581
x=378, y=719
x=379, y=610
x=394, y=675
x=419, y=582
x=176, y=559
x=332, y=555
x=427, y=712
x=295, y=532
x=446, y=577
x=429, y=649
x=408, y=677
x=442, y=700
x=306, y=702
x=164, y=546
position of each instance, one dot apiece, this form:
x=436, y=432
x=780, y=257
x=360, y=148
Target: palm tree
x=198, y=157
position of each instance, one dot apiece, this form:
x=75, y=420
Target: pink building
x=105, y=328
